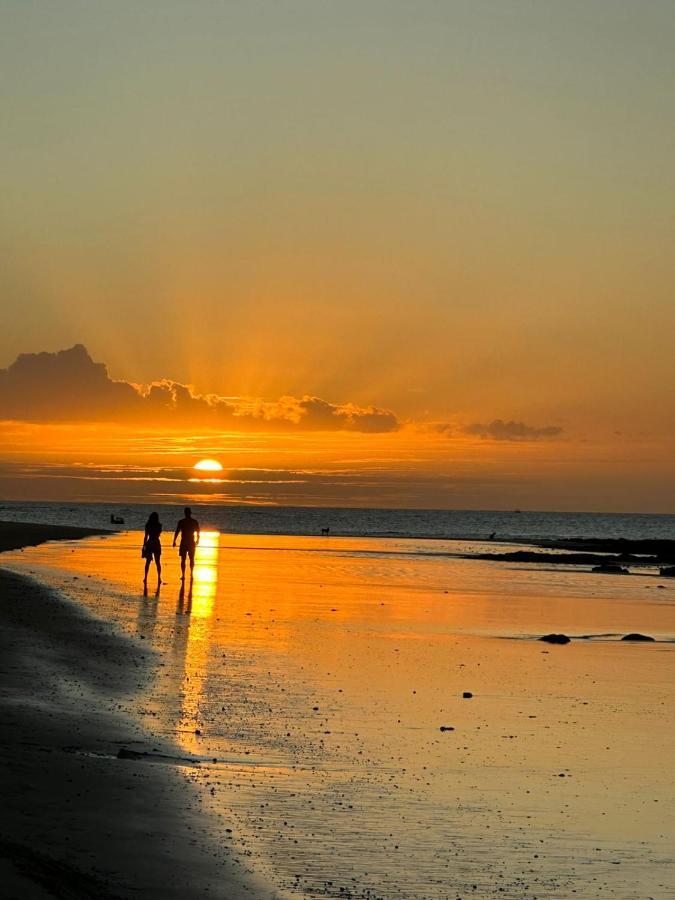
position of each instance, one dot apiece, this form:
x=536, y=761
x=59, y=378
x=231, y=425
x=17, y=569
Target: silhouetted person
x=152, y=547
x=188, y=528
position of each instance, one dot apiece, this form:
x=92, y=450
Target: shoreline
x=17, y=535
x=77, y=820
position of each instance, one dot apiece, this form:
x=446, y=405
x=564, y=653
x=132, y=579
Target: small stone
x=635, y=636
x=467, y=695
x=610, y=569
x=555, y=639
x=447, y=727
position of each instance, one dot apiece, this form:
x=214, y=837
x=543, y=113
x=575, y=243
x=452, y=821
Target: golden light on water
x=208, y=465
x=205, y=574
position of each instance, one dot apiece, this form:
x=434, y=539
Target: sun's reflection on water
x=191, y=643
x=205, y=575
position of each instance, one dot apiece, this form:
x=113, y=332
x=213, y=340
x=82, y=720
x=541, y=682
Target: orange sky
x=377, y=227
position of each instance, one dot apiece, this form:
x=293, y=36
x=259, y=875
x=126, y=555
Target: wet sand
x=318, y=675
x=76, y=821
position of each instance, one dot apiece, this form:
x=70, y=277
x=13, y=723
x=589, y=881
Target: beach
x=305, y=704
x=77, y=821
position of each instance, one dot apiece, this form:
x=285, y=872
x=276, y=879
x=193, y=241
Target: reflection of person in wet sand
x=152, y=547
x=184, y=608
x=188, y=528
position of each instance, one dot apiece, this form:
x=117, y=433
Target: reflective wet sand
x=319, y=673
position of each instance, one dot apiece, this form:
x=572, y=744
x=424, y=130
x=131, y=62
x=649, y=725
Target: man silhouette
x=188, y=528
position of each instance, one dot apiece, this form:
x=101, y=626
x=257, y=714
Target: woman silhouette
x=152, y=546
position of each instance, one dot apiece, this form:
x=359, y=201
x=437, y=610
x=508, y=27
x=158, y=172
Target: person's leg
x=192, y=560
x=158, y=563
x=182, y=566
x=148, y=560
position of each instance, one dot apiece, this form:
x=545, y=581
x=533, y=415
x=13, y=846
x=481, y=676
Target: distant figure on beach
x=325, y=530
x=152, y=546
x=188, y=528
x=116, y=520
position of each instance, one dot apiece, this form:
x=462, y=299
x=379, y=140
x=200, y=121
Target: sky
x=394, y=253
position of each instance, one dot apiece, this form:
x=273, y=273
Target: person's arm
x=175, y=534
x=197, y=533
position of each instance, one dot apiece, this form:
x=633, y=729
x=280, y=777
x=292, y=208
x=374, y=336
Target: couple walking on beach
x=187, y=528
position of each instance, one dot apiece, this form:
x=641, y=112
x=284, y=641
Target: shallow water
x=319, y=673
x=451, y=524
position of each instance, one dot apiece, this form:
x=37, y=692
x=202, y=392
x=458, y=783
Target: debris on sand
x=635, y=636
x=555, y=639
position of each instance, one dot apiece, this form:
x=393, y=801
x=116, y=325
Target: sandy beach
x=77, y=821
x=321, y=686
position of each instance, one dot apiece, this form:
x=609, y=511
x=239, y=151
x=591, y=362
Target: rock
x=667, y=571
x=555, y=639
x=467, y=695
x=123, y=753
x=635, y=636
x=447, y=728
x=610, y=569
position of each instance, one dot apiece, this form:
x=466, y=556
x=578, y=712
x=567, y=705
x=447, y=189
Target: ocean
x=432, y=524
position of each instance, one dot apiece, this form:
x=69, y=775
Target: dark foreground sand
x=75, y=821
x=14, y=535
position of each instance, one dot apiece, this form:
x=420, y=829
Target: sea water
x=509, y=525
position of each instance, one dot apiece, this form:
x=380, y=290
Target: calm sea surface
x=474, y=525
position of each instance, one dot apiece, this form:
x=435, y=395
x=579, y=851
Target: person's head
x=153, y=518
x=188, y=512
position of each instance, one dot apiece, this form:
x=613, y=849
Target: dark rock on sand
x=610, y=569
x=635, y=636
x=447, y=728
x=667, y=571
x=123, y=753
x=467, y=695
x=555, y=639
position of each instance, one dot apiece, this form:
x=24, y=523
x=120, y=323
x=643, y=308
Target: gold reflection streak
x=193, y=637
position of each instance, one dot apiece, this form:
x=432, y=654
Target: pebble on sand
x=555, y=639
x=635, y=636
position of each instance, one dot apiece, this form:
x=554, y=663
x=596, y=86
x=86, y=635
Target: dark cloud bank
x=68, y=386
x=499, y=430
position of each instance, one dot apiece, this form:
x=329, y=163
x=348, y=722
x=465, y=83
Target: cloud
x=68, y=386
x=499, y=430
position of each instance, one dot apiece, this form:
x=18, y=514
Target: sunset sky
x=373, y=253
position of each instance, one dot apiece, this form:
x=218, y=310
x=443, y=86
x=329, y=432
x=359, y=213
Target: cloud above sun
x=68, y=386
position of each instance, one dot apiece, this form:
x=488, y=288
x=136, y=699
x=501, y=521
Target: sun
x=208, y=465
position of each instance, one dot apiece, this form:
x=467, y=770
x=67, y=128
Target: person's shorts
x=187, y=550
x=152, y=548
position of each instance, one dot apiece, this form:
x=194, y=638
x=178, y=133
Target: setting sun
x=208, y=465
